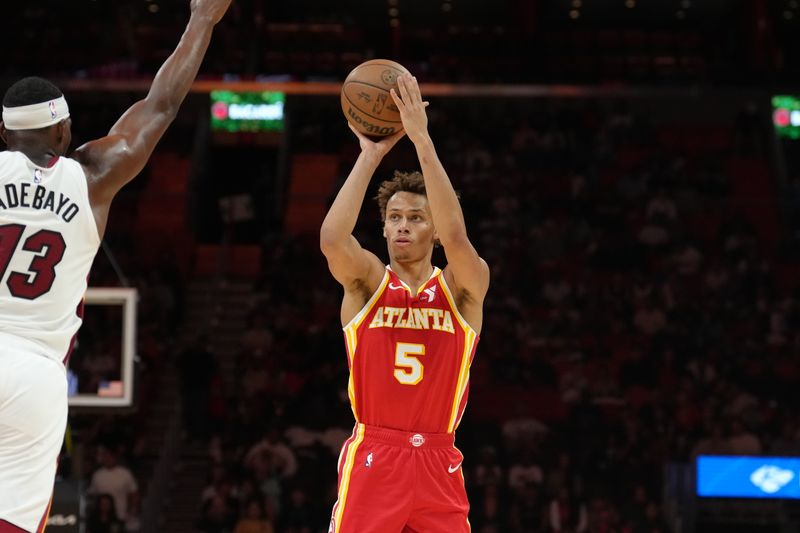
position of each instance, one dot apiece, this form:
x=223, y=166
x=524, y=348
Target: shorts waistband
x=407, y=439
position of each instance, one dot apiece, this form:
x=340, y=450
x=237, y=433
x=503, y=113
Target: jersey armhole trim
x=449, y=295
x=356, y=320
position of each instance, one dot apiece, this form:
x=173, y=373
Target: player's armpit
x=469, y=273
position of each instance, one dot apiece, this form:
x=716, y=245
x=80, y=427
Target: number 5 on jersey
x=408, y=368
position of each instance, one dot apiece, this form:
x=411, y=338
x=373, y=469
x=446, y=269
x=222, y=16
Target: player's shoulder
x=9, y=156
x=460, y=290
x=70, y=162
x=68, y=167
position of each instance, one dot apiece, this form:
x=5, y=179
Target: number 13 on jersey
x=48, y=248
x=408, y=368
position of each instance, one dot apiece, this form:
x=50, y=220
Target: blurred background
x=628, y=168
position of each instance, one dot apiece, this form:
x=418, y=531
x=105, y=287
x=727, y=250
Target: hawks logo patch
x=429, y=294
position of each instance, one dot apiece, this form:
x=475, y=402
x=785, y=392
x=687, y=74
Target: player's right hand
x=213, y=9
x=377, y=148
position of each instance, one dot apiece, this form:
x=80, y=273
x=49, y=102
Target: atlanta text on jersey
x=413, y=318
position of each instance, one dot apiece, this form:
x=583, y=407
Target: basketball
x=365, y=97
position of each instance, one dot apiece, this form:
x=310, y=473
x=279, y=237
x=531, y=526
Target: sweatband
x=35, y=116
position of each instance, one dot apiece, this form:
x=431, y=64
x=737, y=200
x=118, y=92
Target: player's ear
x=56, y=132
x=63, y=128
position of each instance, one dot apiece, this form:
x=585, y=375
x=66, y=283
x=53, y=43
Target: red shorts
x=394, y=481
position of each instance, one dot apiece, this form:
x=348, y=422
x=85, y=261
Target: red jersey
x=409, y=357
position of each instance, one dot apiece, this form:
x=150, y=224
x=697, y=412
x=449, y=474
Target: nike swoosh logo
x=452, y=468
x=395, y=287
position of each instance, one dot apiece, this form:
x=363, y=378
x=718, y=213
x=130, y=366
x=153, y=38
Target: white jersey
x=48, y=240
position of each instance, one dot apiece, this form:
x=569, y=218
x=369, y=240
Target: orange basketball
x=365, y=97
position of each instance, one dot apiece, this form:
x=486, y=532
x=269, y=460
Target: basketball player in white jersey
x=53, y=212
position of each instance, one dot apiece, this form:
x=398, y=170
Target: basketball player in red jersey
x=53, y=212
x=411, y=331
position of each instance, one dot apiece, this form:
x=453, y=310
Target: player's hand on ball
x=213, y=9
x=380, y=147
x=412, y=107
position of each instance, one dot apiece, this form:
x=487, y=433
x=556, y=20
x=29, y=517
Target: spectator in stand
x=258, y=337
x=788, y=441
x=117, y=481
x=661, y=206
x=527, y=514
x=526, y=470
x=488, y=471
x=742, y=441
x=253, y=519
x=103, y=516
x=567, y=513
x=490, y=508
x=220, y=485
x=271, y=463
x=714, y=443
x=272, y=449
x=298, y=515
x=217, y=517
x=650, y=319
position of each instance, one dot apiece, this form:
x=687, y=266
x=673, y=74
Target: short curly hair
x=30, y=90
x=401, y=182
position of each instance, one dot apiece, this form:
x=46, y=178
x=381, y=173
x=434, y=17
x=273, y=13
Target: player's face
x=408, y=227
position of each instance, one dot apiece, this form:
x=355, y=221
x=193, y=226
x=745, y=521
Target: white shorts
x=33, y=417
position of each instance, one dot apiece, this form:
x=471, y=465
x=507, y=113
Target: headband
x=35, y=116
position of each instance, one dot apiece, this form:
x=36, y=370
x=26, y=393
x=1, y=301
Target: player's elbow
x=329, y=240
x=164, y=108
x=169, y=111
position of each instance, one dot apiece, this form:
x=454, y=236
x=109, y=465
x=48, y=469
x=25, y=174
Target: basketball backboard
x=101, y=370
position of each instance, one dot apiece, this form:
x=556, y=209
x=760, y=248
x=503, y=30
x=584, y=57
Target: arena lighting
x=786, y=116
x=742, y=476
x=236, y=111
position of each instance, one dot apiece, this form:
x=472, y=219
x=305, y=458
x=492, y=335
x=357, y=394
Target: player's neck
x=413, y=274
x=38, y=152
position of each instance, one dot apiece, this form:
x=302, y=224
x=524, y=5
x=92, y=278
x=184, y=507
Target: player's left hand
x=412, y=107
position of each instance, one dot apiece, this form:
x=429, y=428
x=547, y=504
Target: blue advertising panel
x=737, y=476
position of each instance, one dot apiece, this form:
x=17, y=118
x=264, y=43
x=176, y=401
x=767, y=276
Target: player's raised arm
x=352, y=266
x=112, y=161
x=470, y=272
